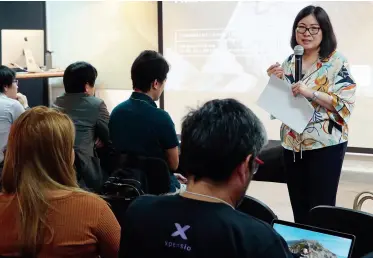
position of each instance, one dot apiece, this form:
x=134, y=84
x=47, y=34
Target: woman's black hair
x=329, y=41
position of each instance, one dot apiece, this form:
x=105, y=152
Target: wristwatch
x=315, y=95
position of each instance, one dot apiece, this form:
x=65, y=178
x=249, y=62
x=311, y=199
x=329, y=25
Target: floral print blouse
x=326, y=128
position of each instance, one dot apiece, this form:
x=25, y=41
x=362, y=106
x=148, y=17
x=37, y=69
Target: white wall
x=108, y=34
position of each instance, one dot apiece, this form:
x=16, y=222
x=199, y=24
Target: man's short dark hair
x=7, y=76
x=77, y=75
x=329, y=41
x=219, y=136
x=148, y=67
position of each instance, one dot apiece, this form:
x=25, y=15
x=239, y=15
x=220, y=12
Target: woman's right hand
x=277, y=70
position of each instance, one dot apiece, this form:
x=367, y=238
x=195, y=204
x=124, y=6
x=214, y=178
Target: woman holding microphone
x=313, y=159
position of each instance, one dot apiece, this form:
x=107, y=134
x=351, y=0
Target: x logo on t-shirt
x=180, y=231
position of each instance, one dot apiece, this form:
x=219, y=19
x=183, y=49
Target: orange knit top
x=83, y=226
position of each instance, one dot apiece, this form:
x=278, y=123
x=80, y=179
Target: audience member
x=91, y=118
x=137, y=126
x=220, y=143
x=10, y=108
x=43, y=212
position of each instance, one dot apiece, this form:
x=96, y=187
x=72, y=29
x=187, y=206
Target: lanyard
x=210, y=197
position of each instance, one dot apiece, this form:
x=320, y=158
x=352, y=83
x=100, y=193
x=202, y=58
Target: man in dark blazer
x=90, y=117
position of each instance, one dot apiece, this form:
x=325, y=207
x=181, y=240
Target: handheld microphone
x=298, y=53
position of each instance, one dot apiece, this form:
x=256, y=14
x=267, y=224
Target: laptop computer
x=32, y=67
x=310, y=242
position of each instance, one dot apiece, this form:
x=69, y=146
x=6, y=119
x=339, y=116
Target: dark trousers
x=313, y=180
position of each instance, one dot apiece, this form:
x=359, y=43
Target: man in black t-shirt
x=219, y=147
x=137, y=126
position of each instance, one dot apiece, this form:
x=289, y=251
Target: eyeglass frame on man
x=308, y=29
x=256, y=164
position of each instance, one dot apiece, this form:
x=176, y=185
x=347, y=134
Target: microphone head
x=298, y=50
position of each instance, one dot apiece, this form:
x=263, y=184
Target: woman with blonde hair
x=43, y=213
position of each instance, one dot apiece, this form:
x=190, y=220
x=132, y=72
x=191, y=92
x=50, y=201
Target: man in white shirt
x=12, y=105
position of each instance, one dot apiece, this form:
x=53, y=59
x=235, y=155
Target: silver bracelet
x=315, y=95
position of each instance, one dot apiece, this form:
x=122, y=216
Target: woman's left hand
x=302, y=89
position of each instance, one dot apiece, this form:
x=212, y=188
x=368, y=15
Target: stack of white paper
x=278, y=100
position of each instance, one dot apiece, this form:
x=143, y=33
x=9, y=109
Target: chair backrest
x=152, y=173
x=257, y=209
x=126, y=183
x=157, y=173
x=357, y=223
x=119, y=206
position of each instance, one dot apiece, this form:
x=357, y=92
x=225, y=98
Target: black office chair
x=357, y=223
x=257, y=209
x=157, y=173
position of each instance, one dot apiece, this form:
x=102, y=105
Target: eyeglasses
x=257, y=162
x=311, y=30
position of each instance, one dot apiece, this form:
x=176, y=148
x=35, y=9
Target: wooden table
x=55, y=74
x=31, y=80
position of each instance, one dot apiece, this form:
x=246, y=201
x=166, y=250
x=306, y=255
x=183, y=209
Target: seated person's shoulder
x=121, y=107
x=95, y=101
x=162, y=112
x=268, y=242
x=255, y=224
x=148, y=203
x=64, y=100
x=163, y=117
x=14, y=108
x=145, y=201
x=12, y=102
x=88, y=200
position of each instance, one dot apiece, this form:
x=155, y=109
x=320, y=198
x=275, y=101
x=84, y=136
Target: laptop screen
x=310, y=243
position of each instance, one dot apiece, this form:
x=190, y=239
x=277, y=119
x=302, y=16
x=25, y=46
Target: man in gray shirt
x=12, y=105
x=90, y=117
